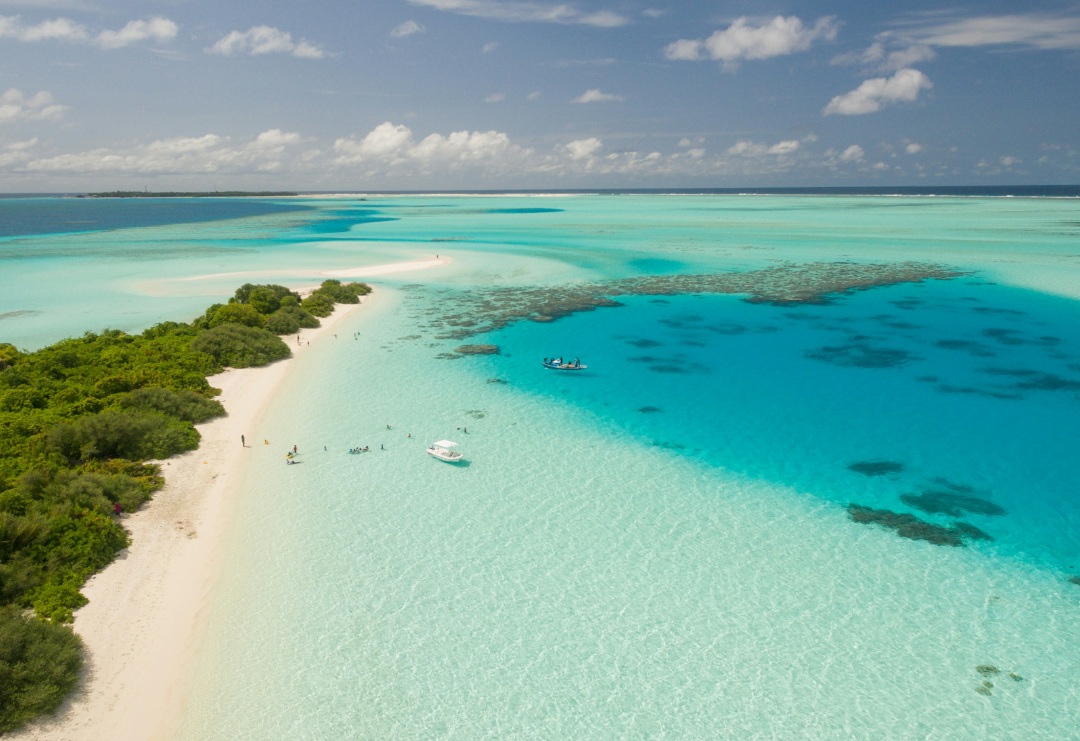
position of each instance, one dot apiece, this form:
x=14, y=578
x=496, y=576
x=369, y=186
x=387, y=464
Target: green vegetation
x=80, y=421
x=192, y=194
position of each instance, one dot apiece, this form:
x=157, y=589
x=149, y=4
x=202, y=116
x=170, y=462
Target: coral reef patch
x=477, y=349
x=906, y=526
x=936, y=502
x=481, y=311
x=876, y=468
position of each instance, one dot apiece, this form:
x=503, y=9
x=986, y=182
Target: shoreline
x=147, y=610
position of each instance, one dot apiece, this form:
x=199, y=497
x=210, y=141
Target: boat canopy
x=444, y=443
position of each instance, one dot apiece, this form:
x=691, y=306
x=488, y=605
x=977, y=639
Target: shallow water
x=657, y=546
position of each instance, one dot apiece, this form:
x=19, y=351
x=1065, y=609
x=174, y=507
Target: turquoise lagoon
x=657, y=547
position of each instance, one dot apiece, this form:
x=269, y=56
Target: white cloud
x=854, y=153
x=209, y=153
x=392, y=148
x=265, y=40
x=913, y=148
x=1010, y=161
x=595, y=96
x=878, y=57
x=754, y=149
x=1035, y=30
x=58, y=29
x=743, y=40
x=15, y=106
x=156, y=29
x=534, y=95
x=581, y=148
x=408, y=28
x=527, y=12
x=495, y=98
x=872, y=95
x=901, y=58
x=64, y=29
x=16, y=152
x=489, y=47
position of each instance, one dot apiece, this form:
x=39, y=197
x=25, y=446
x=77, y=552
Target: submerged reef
x=486, y=310
x=910, y=526
x=876, y=468
x=936, y=502
x=477, y=349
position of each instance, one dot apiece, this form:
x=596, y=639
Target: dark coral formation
x=906, y=526
x=861, y=355
x=650, y=410
x=971, y=532
x=987, y=670
x=937, y=502
x=790, y=284
x=477, y=349
x=876, y=468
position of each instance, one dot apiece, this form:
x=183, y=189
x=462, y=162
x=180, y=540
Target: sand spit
x=147, y=610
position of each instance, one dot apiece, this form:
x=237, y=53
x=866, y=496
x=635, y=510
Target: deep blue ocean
x=961, y=388
x=25, y=216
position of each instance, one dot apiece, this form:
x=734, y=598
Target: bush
x=264, y=296
x=185, y=405
x=289, y=320
x=318, y=304
x=134, y=435
x=40, y=663
x=238, y=346
x=237, y=314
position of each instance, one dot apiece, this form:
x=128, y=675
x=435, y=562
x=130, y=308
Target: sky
x=100, y=95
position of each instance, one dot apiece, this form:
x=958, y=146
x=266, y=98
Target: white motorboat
x=443, y=450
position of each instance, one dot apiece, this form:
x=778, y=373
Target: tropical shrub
x=239, y=346
x=40, y=664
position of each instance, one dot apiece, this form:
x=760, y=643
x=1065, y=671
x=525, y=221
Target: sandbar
x=147, y=612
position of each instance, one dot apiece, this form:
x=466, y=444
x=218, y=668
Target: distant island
x=193, y=194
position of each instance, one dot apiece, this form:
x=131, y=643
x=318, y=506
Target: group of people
x=359, y=450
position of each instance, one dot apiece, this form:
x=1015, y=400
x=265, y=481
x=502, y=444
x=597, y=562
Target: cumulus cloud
x=872, y=95
x=408, y=28
x=581, y=148
x=64, y=29
x=209, y=153
x=755, y=149
x=594, y=95
x=57, y=29
x=16, y=152
x=265, y=40
x=155, y=29
x=913, y=148
x=527, y=12
x=743, y=40
x=1034, y=30
x=16, y=106
x=495, y=98
x=489, y=47
x=854, y=153
x=394, y=142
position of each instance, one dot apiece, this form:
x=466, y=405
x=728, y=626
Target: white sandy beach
x=147, y=610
